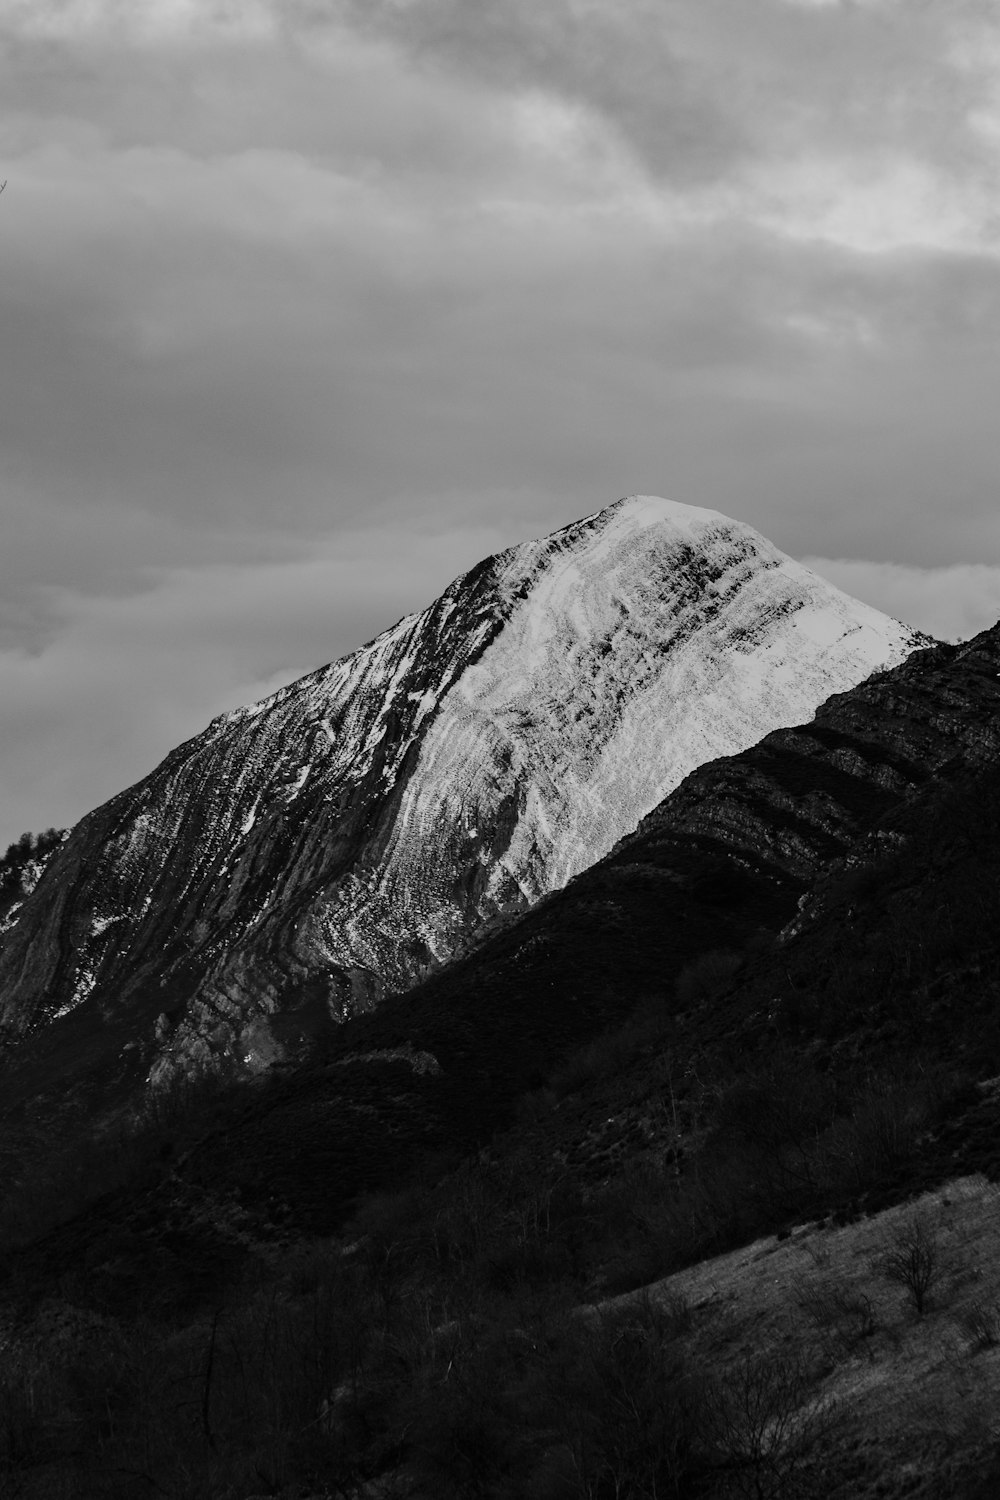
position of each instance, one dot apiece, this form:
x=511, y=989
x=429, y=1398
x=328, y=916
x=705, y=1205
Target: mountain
x=767, y=1019
x=343, y=838
x=831, y=889
x=681, y=1181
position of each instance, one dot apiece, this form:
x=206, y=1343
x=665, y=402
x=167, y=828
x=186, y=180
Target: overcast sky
x=306, y=306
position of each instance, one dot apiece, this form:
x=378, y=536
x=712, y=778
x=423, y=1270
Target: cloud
x=951, y=603
x=279, y=275
x=874, y=206
x=295, y=347
x=843, y=5
x=260, y=344
x=139, y=21
x=700, y=93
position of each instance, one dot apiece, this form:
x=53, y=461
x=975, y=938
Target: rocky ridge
x=752, y=855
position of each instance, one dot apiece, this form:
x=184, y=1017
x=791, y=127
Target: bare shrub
x=890, y=1112
x=769, y=1124
x=535, y=1107
x=598, y=1059
x=22, y=1424
x=842, y=1314
x=981, y=1322
x=705, y=977
x=461, y=1416
x=504, y=1226
x=386, y=1221
x=637, y=1213
x=818, y=1251
x=912, y=1260
x=628, y=1408
x=65, y=1381
x=62, y=1164
x=661, y=1223
x=675, y=1310
x=765, y=1426
x=605, y=1055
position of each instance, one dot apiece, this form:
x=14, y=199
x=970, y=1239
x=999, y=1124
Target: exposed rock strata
x=747, y=848
x=801, y=797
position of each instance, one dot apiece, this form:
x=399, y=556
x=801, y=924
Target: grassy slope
x=891, y=1402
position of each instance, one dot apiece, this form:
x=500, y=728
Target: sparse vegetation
x=706, y=976
x=845, y=1316
x=173, y=1322
x=767, y=1417
x=46, y=1182
x=913, y=1260
x=609, y=1053
x=981, y=1321
x=30, y=850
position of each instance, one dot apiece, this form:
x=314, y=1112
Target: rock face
x=347, y=835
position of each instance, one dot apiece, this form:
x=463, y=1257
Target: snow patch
x=300, y=780
x=421, y=1062
x=10, y=920
x=101, y=924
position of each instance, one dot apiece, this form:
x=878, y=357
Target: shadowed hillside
x=723, y=862
x=769, y=1016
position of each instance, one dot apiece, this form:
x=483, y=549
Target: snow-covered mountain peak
x=610, y=529
x=639, y=511
x=361, y=825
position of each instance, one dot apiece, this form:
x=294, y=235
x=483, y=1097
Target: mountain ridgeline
x=344, y=838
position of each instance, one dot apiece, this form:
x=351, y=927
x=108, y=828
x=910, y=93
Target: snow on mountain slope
x=356, y=828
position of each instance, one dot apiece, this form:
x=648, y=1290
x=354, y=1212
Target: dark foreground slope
x=782, y=993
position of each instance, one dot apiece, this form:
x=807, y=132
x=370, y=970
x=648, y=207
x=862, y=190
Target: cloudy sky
x=307, y=305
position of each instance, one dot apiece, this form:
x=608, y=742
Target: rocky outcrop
x=21, y=869
x=350, y=833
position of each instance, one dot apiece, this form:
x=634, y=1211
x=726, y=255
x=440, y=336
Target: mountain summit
x=340, y=839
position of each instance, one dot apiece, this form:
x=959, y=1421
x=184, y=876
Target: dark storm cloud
x=702, y=89
x=641, y=65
